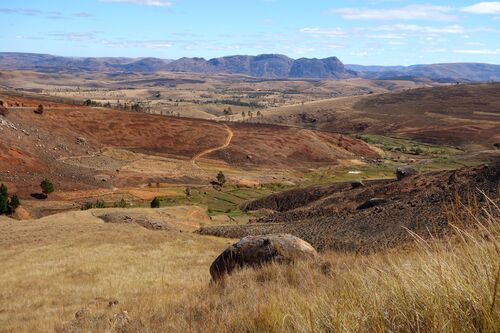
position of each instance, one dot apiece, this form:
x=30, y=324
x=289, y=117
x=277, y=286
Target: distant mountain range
x=472, y=72
x=262, y=66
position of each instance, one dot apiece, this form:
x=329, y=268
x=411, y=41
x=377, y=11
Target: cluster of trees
x=8, y=204
x=236, y=102
x=249, y=114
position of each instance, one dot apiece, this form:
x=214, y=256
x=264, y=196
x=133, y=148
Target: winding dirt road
x=211, y=150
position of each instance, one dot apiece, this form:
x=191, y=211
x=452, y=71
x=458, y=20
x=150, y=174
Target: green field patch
x=407, y=146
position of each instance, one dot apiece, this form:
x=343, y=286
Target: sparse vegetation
x=47, y=186
x=121, y=204
x=100, y=204
x=87, y=205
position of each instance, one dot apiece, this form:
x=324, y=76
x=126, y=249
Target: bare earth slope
x=329, y=217
x=72, y=145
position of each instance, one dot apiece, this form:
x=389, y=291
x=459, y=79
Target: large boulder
x=144, y=221
x=405, y=172
x=253, y=251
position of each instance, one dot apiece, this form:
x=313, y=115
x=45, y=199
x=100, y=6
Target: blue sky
x=370, y=32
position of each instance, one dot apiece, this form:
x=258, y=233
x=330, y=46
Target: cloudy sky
x=376, y=32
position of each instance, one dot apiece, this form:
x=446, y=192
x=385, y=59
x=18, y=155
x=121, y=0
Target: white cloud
x=387, y=36
x=412, y=12
x=449, y=29
x=435, y=50
x=360, y=53
x=327, y=32
x=155, y=3
x=75, y=36
x=483, y=8
x=396, y=43
x=148, y=44
x=156, y=45
x=474, y=44
x=486, y=52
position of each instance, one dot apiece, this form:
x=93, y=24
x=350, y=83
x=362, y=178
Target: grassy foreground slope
x=73, y=263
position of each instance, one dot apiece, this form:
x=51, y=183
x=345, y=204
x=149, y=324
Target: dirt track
x=230, y=135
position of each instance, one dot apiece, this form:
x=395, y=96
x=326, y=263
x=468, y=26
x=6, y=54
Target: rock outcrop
x=253, y=251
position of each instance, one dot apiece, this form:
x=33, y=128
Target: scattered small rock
x=80, y=140
x=405, y=172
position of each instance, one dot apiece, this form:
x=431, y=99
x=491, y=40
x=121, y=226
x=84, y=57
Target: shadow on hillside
x=39, y=196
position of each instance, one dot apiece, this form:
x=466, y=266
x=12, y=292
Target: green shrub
x=121, y=204
x=155, y=203
x=87, y=205
x=47, y=186
x=100, y=204
x=221, y=178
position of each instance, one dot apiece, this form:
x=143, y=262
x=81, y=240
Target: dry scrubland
x=53, y=267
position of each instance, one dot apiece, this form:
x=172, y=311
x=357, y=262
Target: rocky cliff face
x=264, y=65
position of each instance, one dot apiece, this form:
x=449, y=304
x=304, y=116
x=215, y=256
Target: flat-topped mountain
x=264, y=65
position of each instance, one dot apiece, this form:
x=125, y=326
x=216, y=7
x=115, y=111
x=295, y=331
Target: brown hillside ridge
x=330, y=217
x=457, y=115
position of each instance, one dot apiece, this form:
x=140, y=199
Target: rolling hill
x=460, y=115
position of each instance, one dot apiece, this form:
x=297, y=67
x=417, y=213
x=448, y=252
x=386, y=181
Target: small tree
x=155, y=203
x=4, y=205
x=221, y=178
x=47, y=186
x=3, y=190
x=14, y=202
x=187, y=191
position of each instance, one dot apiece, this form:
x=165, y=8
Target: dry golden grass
x=54, y=267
